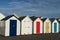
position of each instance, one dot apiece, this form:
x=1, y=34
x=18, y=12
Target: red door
x=38, y=27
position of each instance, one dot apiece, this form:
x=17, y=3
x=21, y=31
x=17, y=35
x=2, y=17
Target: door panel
x=47, y=27
x=55, y=27
x=38, y=27
x=13, y=24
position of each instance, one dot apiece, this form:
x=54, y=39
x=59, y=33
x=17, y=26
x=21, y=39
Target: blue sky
x=45, y=8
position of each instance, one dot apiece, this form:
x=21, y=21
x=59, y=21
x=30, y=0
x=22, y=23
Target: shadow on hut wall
x=59, y=26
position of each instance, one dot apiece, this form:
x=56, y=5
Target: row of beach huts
x=13, y=25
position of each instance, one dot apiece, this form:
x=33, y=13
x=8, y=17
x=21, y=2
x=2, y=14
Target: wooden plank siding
x=2, y=27
x=47, y=27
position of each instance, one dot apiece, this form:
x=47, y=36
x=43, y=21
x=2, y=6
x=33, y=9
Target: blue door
x=13, y=24
x=55, y=27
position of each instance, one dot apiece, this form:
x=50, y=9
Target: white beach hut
x=26, y=25
x=55, y=26
x=37, y=25
x=47, y=25
x=10, y=26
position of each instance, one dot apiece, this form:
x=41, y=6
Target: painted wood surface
x=38, y=27
x=13, y=26
x=26, y=26
x=55, y=27
x=47, y=27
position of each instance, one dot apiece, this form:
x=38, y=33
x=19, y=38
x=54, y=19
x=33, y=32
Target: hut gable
x=55, y=21
x=2, y=16
x=38, y=19
x=47, y=20
x=9, y=17
x=27, y=18
x=24, y=18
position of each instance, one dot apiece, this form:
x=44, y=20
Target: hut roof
x=21, y=18
x=58, y=20
x=43, y=19
x=9, y=17
x=52, y=19
x=33, y=18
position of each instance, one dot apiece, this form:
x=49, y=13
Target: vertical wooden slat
x=38, y=27
x=47, y=27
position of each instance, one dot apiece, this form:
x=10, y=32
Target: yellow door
x=47, y=27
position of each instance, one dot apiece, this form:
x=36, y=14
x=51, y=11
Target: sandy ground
x=33, y=37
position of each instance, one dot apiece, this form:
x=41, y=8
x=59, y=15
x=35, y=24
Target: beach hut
x=55, y=26
x=26, y=25
x=47, y=25
x=10, y=26
x=37, y=25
